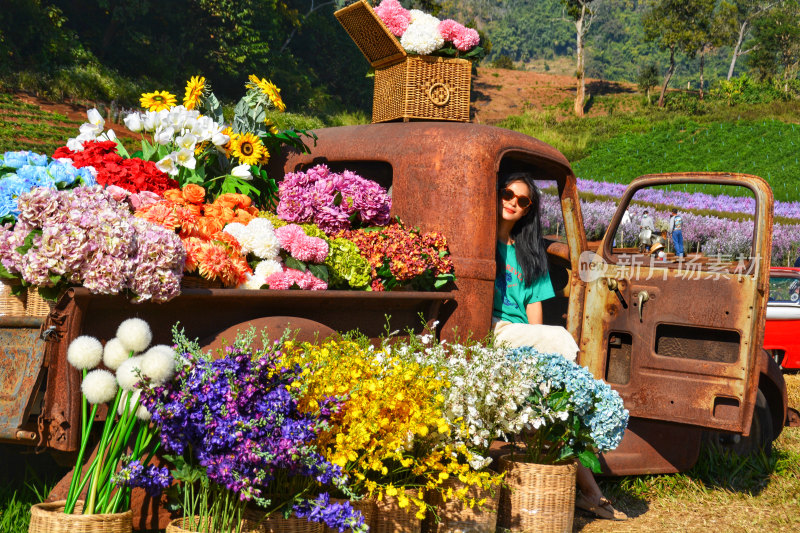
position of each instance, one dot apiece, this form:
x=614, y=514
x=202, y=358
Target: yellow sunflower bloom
x=195, y=88
x=158, y=100
x=248, y=149
x=269, y=90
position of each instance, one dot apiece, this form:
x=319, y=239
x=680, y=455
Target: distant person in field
x=646, y=229
x=676, y=230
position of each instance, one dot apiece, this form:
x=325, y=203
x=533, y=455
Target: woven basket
x=537, y=498
x=179, y=525
x=457, y=517
x=390, y=518
x=276, y=523
x=365, y=506
x=407, y=87
x=50, y=518
x=28, y=303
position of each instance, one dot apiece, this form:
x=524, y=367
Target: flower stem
x=86, y=430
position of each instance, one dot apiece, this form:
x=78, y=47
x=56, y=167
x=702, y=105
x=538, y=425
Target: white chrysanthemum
x=259, y=224
x=114, y=353
x=134, y=334
x=252, y=282
x=422, y=38
x=237, y=229
x=266, y=268
x=99, y=386
x=158, y=363
x=128, y=373
x=85, y=352
x=420, y=17
x=265, y=245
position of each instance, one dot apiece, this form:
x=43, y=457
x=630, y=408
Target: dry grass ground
x=762, y=495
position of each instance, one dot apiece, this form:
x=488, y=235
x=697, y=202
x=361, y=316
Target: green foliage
x=647, y=79
x=684, y=102
x=745, y=90
x=776, y=37
x=503, y=61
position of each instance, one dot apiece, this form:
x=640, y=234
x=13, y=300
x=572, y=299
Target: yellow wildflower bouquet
x=390, y=434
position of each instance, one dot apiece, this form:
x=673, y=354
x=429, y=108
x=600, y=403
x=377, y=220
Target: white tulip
x=187, y=142
x=220, y=139
x=164, y=135
x=96, y=118
x=150, y=121
x=242, y=172
x=185, y=158
x=90, y=129
x=168, y=165
x=133, y=122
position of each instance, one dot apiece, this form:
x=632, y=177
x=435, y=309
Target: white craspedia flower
x=128, y=373
x=158, y=363
x=99, y=386
x=132, y=404
x=134, y=334
x=114, y=353
x=267, y=268
x=85, y=352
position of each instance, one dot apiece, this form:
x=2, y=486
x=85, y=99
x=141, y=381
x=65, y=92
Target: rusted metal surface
x=21, y=357
x=452, y=189
x=696, y=343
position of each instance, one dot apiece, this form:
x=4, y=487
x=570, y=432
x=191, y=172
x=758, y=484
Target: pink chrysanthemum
x=395, y=16
x=450, y=29
x=466, y=39
x=290, y=278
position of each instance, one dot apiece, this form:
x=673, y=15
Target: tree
x=647, y=79
x=737, y=18
x=582, y=15
x=677, y=26
x=777, y=43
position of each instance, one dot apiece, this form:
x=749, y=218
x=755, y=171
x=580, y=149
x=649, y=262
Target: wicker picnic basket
x=391, y=518
x=455, y=516
x=537, y=497
x=407, y=87
x=258, y=521
x=27, y=303
x=50, y=518
x=366, y=507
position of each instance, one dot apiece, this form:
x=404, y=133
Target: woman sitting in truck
x=521, y=284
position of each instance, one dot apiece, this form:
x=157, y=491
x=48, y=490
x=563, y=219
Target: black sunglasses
x=508, y=195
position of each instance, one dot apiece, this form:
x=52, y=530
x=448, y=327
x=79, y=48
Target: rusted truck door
x=680, y=341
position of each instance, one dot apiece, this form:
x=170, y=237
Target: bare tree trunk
x=580, y=92
x=702, y=81
x=737, y=50
x=311, y=9
x=670, y=72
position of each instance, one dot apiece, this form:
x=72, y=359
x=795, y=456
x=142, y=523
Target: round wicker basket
x=457, y=517
x=366, y=507
x=537, y=497
x=390, y=518
x=255, y=521
x=50, y=518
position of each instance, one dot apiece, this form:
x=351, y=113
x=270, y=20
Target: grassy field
x=26, y=127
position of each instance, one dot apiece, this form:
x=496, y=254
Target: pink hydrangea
x=466, y=39
x=395, y=16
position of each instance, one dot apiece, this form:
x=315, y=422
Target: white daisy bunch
x=258, y=239
x=91, y=131
x=180, y=129
x=422, y=36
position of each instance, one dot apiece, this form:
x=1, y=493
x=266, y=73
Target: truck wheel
x=777, y=356
x=761, y=433
x=274, y=326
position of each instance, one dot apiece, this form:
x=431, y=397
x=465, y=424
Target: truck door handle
x=643, y=297
x=614, y=286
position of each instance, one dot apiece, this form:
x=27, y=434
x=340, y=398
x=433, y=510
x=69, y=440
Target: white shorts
x=546, y=339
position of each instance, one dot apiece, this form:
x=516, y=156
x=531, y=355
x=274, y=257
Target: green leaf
x=291, y=262
x=5, y=273
x=590, y=460
x=148, y=150
x=319, y=271
x=121, y=150
x=233, y=184
x=212, y=108
x=50, y=293
x=28, y=243
x=337, y=199
x=55, y=279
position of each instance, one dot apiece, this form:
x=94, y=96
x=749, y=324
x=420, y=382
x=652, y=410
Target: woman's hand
x=534, y=312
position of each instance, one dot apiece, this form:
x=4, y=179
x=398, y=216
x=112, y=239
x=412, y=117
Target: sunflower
x=270, y=90
x=232, y=136
x=195, y=88
x=248, y=148
x=158, y=100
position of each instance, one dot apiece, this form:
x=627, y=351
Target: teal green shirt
x=511, y=295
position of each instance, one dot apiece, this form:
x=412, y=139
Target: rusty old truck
x=688, y=369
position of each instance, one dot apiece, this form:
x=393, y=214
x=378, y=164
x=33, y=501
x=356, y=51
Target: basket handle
x=439, y=94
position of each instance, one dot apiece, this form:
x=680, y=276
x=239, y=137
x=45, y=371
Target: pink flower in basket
x=467, y=39
x=395, y=16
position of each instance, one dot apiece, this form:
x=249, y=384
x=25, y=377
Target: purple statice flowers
x=238, y=418
x=333, y=201
x=153, y=479
x=85, y=237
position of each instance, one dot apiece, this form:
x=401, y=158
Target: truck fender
x=773, y=386
x=302, y=329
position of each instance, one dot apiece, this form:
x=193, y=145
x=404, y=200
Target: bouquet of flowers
x=390, y=434
x=404, y=257
x=571, y=414
x=22, y=171
x=331, y=200
x=236, y=434
x=114, y=471
x=85, y=237
x=424, y=34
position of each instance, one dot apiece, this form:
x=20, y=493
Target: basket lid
x=370, y=34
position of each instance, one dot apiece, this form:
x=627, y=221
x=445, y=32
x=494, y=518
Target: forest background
x=112, y=50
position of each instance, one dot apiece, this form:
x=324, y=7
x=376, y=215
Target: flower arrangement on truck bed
x=196, y=200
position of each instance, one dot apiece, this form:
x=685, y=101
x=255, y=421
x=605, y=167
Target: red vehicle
x=781, y=337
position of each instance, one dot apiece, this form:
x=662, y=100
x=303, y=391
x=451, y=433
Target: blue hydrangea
x=11, y=187
x=15, y=159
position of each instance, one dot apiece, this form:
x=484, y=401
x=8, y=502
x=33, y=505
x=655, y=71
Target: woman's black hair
x=527, y=232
